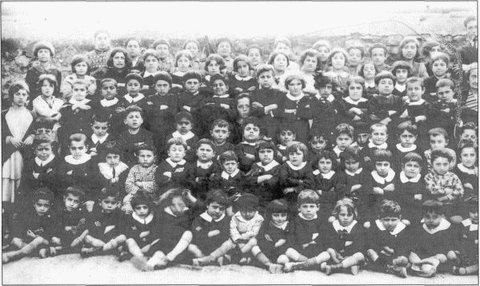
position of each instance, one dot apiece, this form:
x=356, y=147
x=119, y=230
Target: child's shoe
x=86, y=252
x=397, y=270
x=275, y=268
x=44, y=252
x=140, y=263
x=458, y=270
x=329, y=269
x=355, y=269
x=245, y=260
x=124, y=255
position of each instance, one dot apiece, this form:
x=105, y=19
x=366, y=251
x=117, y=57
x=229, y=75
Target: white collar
x=106, y=169
x=205, y=165
x=351, y=101
x=329, y=98
x=466, y=170
x=175, y=164
x=327, y=176
x=137, y=98
x=400, y=226
x=227, y=176
x=370, y=85
x=468, y=222
x=383, y=146
x=43, y=163
x=69, y=159
x=239, y=216
x=415, y=103
x=289, y=96
x=185, y=137
x=405, y=150
x=222, y=96
x=444, y=224
x=249, y=143
x=355, y=173
x=238, y=77
x=337, y=150
x=107, y=103
x=400, y=87
x=96, y=139
x=383, y=180
x=209, y=218
x=296, y=168
x=147, y=74
x=281, y=147
x=404, y=179
x=269, y=166
x=336, y=225
x=146, y=220
x=282, y=227
x=304, y=218
x=76, y=103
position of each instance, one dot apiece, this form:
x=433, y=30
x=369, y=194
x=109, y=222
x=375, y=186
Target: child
x=118, y=66
x=345, y=239
x=356, y=54
x=111, y=170
x=443, y=106
x=141, y=176
x=104, y=226
x=324, y=107
x=379, y=52
x=231, y=180
x=356, y=177
x=317, y=143
x=109, y=104
x=183, y=64
x=191, y=99
x=247, y=149
x=100, y=136
x=443, y=185
x=135, y=51
x=34, y=227
x=254, y=54
x=407, y=135
x=343, y=138
x=243, y=107
x=469, y=132
x=43, y=53
x=285, y=137
x=368, y=72
x=323, y=47
x=135, y=135
x=220, y=133
x=46, y=106
x=98, y=57
x=150, y=60
x=224, y=49
x=355, y=105
x=410, y=52
x=402, y=71
x=80, y=69
x=133, y=84
x=295, y=174
x=471, y=97
x=280, y=62
x=193, y=46
x=440, y=63
x=387, y=240
x=171, y=172
x=242, y=81
x=431, y=240
x=467, y=170
x=272, y=237
x=284, y=45
x=362, y=134
x=378, y=140
x=385, y=106
x=438, y=140
x=162, y=47
x=337, y=69
x=309, y=63
x=184, y=125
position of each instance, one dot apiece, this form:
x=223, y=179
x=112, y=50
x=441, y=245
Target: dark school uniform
x=202, y=225
x=269, y=235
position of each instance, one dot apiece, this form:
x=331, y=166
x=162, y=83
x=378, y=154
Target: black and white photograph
x=228, y=142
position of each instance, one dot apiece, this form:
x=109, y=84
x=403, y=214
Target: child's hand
x=70, y=172
x=35, y=175
x=163, y=107
x=31, y=234
x=168, y=174
x=420, y=118
x=288, y=190
x=280, y=242
x=417, y=197
x=355, y=188
x=213, y=233
x=252, y=88
x=256, y=104
x=389, y=188
x=446, y=110
x=15, y=142
x=119, y=109
x=139, y=184
x=250, y=156
x=264, y=178
x=187, y=108
x=356, y=118
x=224, y=106
x=392, y=112
x=28, y=141
x=404, y=114
x=238, y=90
x=85, y=107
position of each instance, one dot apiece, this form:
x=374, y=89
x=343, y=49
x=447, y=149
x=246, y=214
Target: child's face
x=133, y=48
x=248, y=213
x=193, y=48
x=109, y=204
x=224, y=49
x=401, y=75
x=77, y=149
x=390, y=222
x=20, y=98
x=109, y=90
x=338, y=61
x=205, y=153
x=469, y=134
x=325, y=165
x=213, y=68
x=308, y=210
x=441, y=165
x=382, y=167
x=176, y=152
x=432, y=220
x=183, y=63
x=323, y=53
x=215, y=210
x=184, y=126
x=254, y=56
x=178, y=206
x=102, y=41
x=265, y=79
x=133, y=120
x=409, y=51
x=296, y=157
x=230, y=166
x=385, y=86
x=79, y=92
x=318, y=143
x=42, y=207
x=407, y=139
x=81, y=68
x=439, y=68
x=310, y=64
x=71, y=202
x=220, y=134
x=112, y=159
x=295, y=87
x=351, y=165
x=343, y=141
x=279, y=219
x=355, y=91
x=369, y=71
x=43, y=151
x=151, y=64
x=192, y=85
x=445, y=93
x=354, y=57
x=379, y=136
x=265, y=156
x=163, y=50
x=344, y=216
x=162, y=87
x=146, y=158
x=251, y=132
x=47, y=89
x=280, y=62
x=219, y=87
x=119, y=60
x=468, y=157
x=362, y=138
x=243, y=69
x=437, y=142
x=100, y=128
x=326, y=90
x=141, y=210
x=133, y=87
x=435, y=50
x=411, y=169
x=473, y=215
x=43, y=55
x=473, y=79
x=378, y=56
x=286, y=136
x=281, y=47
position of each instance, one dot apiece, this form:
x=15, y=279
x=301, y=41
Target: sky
x=52, y=20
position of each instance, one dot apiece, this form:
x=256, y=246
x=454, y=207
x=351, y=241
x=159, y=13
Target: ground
x=72, y=269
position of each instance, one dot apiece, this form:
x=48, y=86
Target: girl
x=284, y=45
x=242, y=81
x=402, y=71
x=118, y=66
x=224, y=49
x=309, y=64
x=214, y=64
x=135, y=52
x=111, y=171
x=194, y=47
x=109, y=105
x=183, y=64
x=46, y=106
x=254, y=54
x=80, y=70
x=467, y=169
x=368, y=71
x=346, y=238
x=16, y=135
x=280, y=63
x=429, y=48
x=338, y=71
x=43, y=53
x=323, y=47
x=150, y=62
x=324, y=107
x=410, y=52
x=242, y=106
x=356, y=106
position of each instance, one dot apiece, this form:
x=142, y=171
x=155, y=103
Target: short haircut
x=389, y=208
x=79, y=59
x=160, y=42
x=438, y=131
x=327, y=154
x=205, y=141
x=247, y=201
x=220, y=123
x=162, y=75
x=109, y=192
x=141, y=197
x=321, y=80
x=357, y=46
x=337, y=51
x=43, y=139
x=412, y=128
x=228, y=156
x=42, y=193
x=47, y=77
x=251, y=120
x=427, y=47
x=128, y=60
x=217, y=196
x=443, y=57
x=241, y=58
x=378, y=46
x=175, y=141
x=402, y=65
x=145, y=147
x=217, y=58
x=348, y=203
x=15, y=87
x=133, y=108
x=380, y=155
x=432, y=206
x=82, y=82
x=277, y=206
x=441, y=153
x=192, y=75
x=444, y=82
x=77, y=137
x=382, y=75
x=379, y=126
x=108, y=79
x=310, y=53
x=150, y=53
x=74, y=191
x=222, y=40
x=412, y=157
x=264, y=145
x=101, y=117
x=295, y=76
x=183, y=115
x=112, y=147
x=414, y=79
x=261, y=68
x=134, y=76
x=351, y=152
x=298, y=146
x=308, y=196
x=344, y=128
x=273, y=55
x=183, y=53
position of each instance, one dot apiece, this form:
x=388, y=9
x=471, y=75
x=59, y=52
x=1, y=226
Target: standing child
x=355, y=105
x=80, y=69
x=407, y=135
x=440, y=62
x=378, y=53
x=150, y=60
x=214, y=64
x=109, y=105
x=247, y=149
x=191, y=99
x=443, y=107
x=410, y=52
x=343, y=139
x=356, y=55
x=100, y=126
x=309, y=64
x=323, y=47
x=46, y=106
x=43, y=53
x=254, y=54
x=193, y=46
x=242, y=81
x=183, y=64
x=184, y=125
x=171, y=172
x=471, y=97
x=162, y=47
x=324, y=107
x=337, y=69
x=402, y=71
x=224, y=49
x=285, y=137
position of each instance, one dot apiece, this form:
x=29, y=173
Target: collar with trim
x=400, y=226
x=209, y=218
x=43, y=163
x=185, y=137
x=76, y=103
x=400, y=87
x=269, y=166
x=405, y=150
x=106, y=170
x=326, y=176
x=337, y=150
x=292, y=98
x=404, y=179
x=137, y=98
x=107, y=103
x=282, y=227
x=296, y=168
x=98, y=140
x=329, y=98
x=336, y=225
x=221, y=96
x=383, y=180
x=146, y=220
x=470, y=171
x=249, y=143
x=370, y=84
x=227, y=176
x=415, y=103
x=351, y=101
x=471, y=226
x=281, y=147
x=205, y=165
x=383, y=146
x=444, y=224
x=175, y=164
x=360, y=170
x=69, y=159
x=238, y=77
x=304, y=218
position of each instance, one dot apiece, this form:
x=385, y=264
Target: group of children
x=334, y=164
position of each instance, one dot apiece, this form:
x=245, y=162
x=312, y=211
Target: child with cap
x=43, y=53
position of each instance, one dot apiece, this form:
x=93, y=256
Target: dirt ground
x=72, y=269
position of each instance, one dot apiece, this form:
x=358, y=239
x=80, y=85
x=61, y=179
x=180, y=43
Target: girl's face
x=215, y=210
x=265, y=156
x=20, y=98
x=325, y=165
x=378, y=56
x=77, y=149
x=278, y=219
x=112, y=159
x=220, y=134
x=355, y=91
x=310, y=64
x=379, y=136
x=251, y=132
x=435, y=50
x=473, y=79
x=437, y=142
x=162, y=87
x=468, y=157
x=205, y=153
x=133, y=87
x=248, y=213
x=469, y=134
x=295, y=87
x=432, y=220
x=163, y=50
x=338, y=61
x=142, y=210
x=109, y=90
x=354, y=57
x=439, y=68
x=133, y=48
x=193, y=48
x=255, y=56
x=100, y=128
x=265, y=80
x=43, y=151
x=224, y=49
x=102, y=41
x=151, y=64
x=344, y=216
x=243, y=107
x=43, y=55
x=382, y=168
x=369, y=71
x=286, y=136
x=402, y=75
x=409, y=51
x=42, y=206
x=318, y=143
x=213, y=68
x=178, y=206
x=71, y=202
x=79, y=92
x=81, y=68
x=473, y=215
x=323, y=53
x=119, y=60
x=411, y=169
x=192, y=85
x=385, y=86
x=146, y=158
x=296, y=157
x=47, y=89
x=176, y=152
x=281, y=47
x=219, y=87
x=280, y=63
x=243, y=69
x=343, y=141
x=407, y=139
x=351, y=165
x=441, y=165
x=183, y=64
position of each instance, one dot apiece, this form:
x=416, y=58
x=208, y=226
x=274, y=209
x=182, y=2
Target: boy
x=443, y=107
x=171, y=172
x=440, y=64
x=384, y=107
x=285, y=136
x=438, y=140
x=402, y=71
x=100, y=136
x=231, y=180
x=191, y=99
x=111, y=170
x=379, y=52
x=220, y=133
x=134, y=83
x=356, y=55
x=247, y=149
x=378, y=140
x=184, y=125
x=109, y=105
x=150, y=60
x=362, y=134
x=343, y=138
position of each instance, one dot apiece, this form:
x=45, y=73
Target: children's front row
x=180, y=229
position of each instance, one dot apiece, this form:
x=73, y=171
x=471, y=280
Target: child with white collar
x=402, y=71
x=343, y=139
x=231, y=180
x=286, y=135
x=242, y=81
x=407, y=135
x=171, y=172
x=111, y=170
x=356, y=106
x=134, y=83
x=466, y=170
x=100, y=136
x=356, y=176
x=247, y=149
x=378, y=140
x=108, y=104
x=184, y=125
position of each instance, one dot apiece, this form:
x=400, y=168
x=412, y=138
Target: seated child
x=343, y=138
x=407, y=135
x=467, y=170
x=184, y=124
x=469, y=132
x=242, y=81
x=112, y=171
x=231, y=180
x=362, y=134
x=247, y=149
x=171, y=172
x=220, y=134
x=355, y=106
x=377, y=141
x=285, y=137
x=379, y=53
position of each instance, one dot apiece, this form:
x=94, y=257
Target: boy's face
x=265, y=156
x=379, y=136
x=184, y=126
x=215, y=210
x=162, y=87
x=47, y=89
x=351, y=165
x=326, y=90
x=445, y=93
x=71, y=202
x=109, y=204
x=151, y=64
x=81, y=68
x=176, y=152
x=469, y=134
x=142, y=210
x=468, y=157
x=220, y=134
x=79, y=92
x=318, y=143
x=308, y=210
x=251, y=132
x=323, y=53
x=146, y=158
x=77, y=149
x=133, y=87
x=205, y=153
x=345, y=217
x=411, y=169
x=343, y=141
x=441, y=165
x=243, y=107
x=362, y=138
x=432, y=220
x=437, y=142
x=407, y=139
x=224, y=49
x=42, y=207
x=439, y=68
x=248, y=213
x=133, y=120
x=178, y=206
x=109, y=90
x=112, y=159
x=100, y=128
x=43, y=151
x=230, y=166
x=279, y=219
x=385, y=86
x=378, y=56
x=338, y=61
x=401, y=75
x=213, y=68
x=390, y=222
x=354, y=57
x=183, y=63
x=325, y=165
x=286, y=136
x=382, y=168
x=192, y=85
x=295, y=157
x=119, y=60
x=310, y=64
x=43, y=55
x=473, y=79
x=355, y=91
x=133, y=48
x=473, y=215
x=254, y=56
x=243, y=69
x=265, y=79
x=219, y=87
x=369, y=71
x=163, y=50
